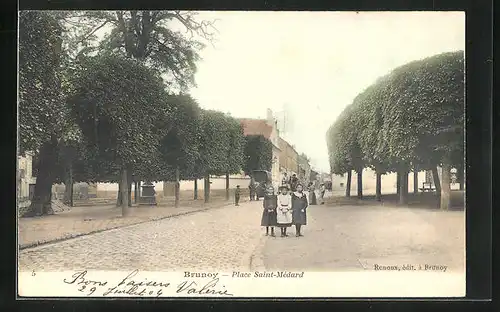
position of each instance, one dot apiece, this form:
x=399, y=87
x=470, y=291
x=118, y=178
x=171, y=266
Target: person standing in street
x=322, y=190
x=312, y=194
x=293, y=182
x=284, y=210
x=251, y=188
x=269, y=210
x=299, y=205
x=237, y=194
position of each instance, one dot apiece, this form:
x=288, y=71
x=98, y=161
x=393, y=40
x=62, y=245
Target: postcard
x=235, y=154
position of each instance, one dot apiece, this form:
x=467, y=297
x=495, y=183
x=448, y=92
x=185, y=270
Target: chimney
x=270, y=118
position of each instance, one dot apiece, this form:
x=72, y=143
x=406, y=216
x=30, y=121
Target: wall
x=26, y=164
x=218, y=183
x=289, y=157
x=389, y=182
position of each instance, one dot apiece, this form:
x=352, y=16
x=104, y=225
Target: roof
x=256, y=127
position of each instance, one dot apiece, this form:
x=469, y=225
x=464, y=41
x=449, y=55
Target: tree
x=345, y=151
x=42, y=111
x=258, y=153
x=180, y=147
x=150, y=36
x=214, y=146
x=411, y=118
x=113, y=99
x=235, y=157
x=426, y=110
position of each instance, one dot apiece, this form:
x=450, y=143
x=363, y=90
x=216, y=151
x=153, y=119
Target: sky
x=311, y=65
x=308, y=66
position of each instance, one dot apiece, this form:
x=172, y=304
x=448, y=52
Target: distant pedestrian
x=237, y=194
x=312, y=194
x=269, y=210
x=299, y=205
x=284, y=210
x=322, y=190
x=293, y=182
x=251, y=188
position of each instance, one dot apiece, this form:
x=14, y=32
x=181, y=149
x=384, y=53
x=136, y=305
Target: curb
x=255, y=262
x=71, y=236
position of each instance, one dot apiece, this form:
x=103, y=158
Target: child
x=299, y=205
x=269, y=212
x=284, y=210
x=237, y=194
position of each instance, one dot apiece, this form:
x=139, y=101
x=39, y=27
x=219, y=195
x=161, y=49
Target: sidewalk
x=93, y=219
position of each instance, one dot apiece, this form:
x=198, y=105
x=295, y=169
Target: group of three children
x=284, y=210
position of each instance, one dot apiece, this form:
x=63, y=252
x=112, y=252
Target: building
x=267, y=128
x=304, y=173
x=25, y=179
x=288, y=158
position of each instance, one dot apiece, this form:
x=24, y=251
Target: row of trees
x=107, y=112
x=409, y=120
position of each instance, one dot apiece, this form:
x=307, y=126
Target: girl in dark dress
x=299, y=205
x=269, y=213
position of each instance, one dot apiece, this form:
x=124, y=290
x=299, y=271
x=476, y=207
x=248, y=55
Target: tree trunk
x=136, y=192
x=227, y=186
x=124, y=193
x=71, y=193
x=378, y=187
x=42, y=198
x=403, y=192
x=445, y=187
x=68, y=187
x=119, y=196
x=398, y=182
x=415, y=181
x=129, y=192
x=360, y=184
x=348, y=184
x=435, y=178
x=195, y=188
x=207, y=188
x=177, y=187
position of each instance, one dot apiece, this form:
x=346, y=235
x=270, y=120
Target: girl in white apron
x=284, y=210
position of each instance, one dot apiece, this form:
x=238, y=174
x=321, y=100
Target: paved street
x=336, y=238
x=345, y=238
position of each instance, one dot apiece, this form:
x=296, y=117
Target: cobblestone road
x=337, y=238
x=221, y=238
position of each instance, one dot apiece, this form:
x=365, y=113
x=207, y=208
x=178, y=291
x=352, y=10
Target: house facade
x=304, y=169
x=267, y=128
x=25, y=179
x=289, y=158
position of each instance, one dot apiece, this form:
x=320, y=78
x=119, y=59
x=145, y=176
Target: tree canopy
x=121, y=107
x=258, y=153
x=168, y=41
x=42, y=110
x=414, y=116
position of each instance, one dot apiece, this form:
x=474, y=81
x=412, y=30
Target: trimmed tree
x=235, y=157
x=411, y=118
x=180, y=147
x=114, y=99
x=214, y=146
x=258, y=154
